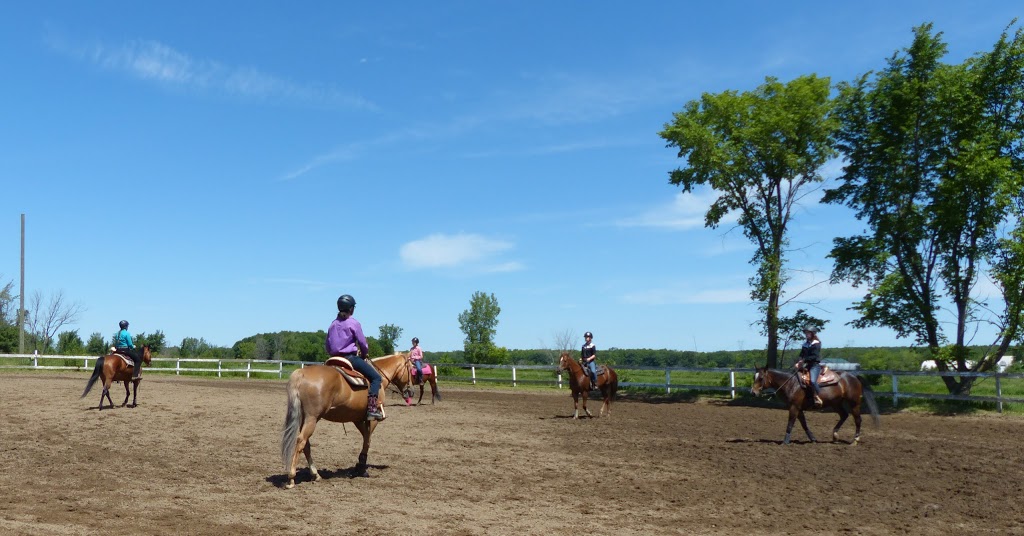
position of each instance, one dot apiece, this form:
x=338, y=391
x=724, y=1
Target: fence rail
x=271, y=368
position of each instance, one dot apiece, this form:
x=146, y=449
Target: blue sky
x=217, y=169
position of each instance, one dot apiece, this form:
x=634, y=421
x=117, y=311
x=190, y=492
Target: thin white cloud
x=159, y=63
x=686, y=211
x=449, y=251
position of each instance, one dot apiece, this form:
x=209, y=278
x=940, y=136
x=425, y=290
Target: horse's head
x=396, y=368
x=762, y=379
x=147, y=355
x=563, y=361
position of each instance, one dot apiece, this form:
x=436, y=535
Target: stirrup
x=374, y=415
x=818, y=402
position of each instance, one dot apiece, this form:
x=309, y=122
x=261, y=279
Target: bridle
x=391, y=380
x=779, y=388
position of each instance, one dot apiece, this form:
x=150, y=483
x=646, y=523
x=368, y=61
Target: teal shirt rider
x=124, y=340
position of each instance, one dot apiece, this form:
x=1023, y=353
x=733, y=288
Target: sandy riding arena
x=202, y=456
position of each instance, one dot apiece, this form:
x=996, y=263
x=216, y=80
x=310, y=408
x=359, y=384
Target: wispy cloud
x=161, y=64
x=461, y=250
x=686, y=211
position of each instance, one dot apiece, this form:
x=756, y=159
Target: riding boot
x=372, y=409
x=419, y=377
x=817, y=398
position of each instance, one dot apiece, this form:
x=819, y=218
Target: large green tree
x=479, y=323
x=933, y=169
x=761, y=151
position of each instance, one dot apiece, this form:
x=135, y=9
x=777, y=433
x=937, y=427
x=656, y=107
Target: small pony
x=112, y=368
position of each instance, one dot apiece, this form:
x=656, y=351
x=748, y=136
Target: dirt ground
x=202, y=456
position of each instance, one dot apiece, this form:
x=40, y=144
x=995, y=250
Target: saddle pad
x=344, y=366
x=127, y=360
x=426, y=369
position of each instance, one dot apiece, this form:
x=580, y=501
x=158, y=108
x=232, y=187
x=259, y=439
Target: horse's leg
x=606, y=407
x=843, y=414
x=794, y=410
x=575, y=405
x=301, y=445
x=855, y=409
x=586, y=394
x=106, y=392
x=365, y=428
x=807, y=429
x=308, y=451
x=135, y=392
x=127, y=393
x=420, y=401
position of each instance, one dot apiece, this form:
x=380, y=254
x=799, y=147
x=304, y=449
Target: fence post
x=668, y=381
x=513, y=375
x=895, y=390
x=732, y=383
x=248, y=369
x=280, y=369
x=472, y=370
x=177, y=367
x=999, y=394
x=559, y=379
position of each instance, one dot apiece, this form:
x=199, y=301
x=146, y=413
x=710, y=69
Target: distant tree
x=193, y=347
x=389, y=334
x=46, y=316
x=762, y=152
x=69, y=343
x=96, y=344
x=935, y=170
x=478, y=323
x=156, y=341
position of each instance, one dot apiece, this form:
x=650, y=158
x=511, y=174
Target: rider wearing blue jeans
x=810, y=356
x=589, y=357
x=123, y=345
x=345, y=338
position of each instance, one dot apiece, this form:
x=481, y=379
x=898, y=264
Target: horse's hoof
x=289, y=485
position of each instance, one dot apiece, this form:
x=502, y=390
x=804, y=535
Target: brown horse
x=579, y=382
x=111, y=368
x=844, y=396
x=429, y=376
x=320, y=392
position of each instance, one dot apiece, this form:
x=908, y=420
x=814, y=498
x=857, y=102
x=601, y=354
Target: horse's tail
x=869, y=397
x=96, y=372
x=292, y=421
x=614, y=387
x=436, y=392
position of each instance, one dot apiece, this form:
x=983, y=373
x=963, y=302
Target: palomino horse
x=320, y=392
x=429, y=376
x=844, y=396
x=111, y=368
x=579, y=382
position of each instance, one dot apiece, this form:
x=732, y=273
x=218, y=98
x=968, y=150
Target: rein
x=779, y=388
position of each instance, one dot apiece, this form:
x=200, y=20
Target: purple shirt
x=343, y=337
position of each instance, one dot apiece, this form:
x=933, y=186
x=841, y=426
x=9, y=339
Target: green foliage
x=156, y=341
x=934, y=164
x=96, y=344
x=389, y=334
x=69, y=343
x=760, y=151
x=478, y=323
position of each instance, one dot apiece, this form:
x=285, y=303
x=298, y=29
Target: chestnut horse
x=579, y=382
x=428, y=377
x=844, y=396
x=111, y=368
x=320, y=392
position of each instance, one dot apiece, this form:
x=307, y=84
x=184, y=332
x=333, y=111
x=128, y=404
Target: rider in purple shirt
x=345, y=338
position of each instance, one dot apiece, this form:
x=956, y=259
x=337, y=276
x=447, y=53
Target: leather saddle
x=124, y=357
x=828, y=377
x=351, y=375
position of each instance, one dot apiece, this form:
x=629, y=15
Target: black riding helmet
x=123, y=324
x=588, y=334
x=416, y=340
x=346, y=304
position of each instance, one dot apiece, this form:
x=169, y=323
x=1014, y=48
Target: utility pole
x=21, y=294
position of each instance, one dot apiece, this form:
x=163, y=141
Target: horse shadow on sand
x=303, y=475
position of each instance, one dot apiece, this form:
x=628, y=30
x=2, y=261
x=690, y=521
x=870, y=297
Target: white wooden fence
x=268, y=368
